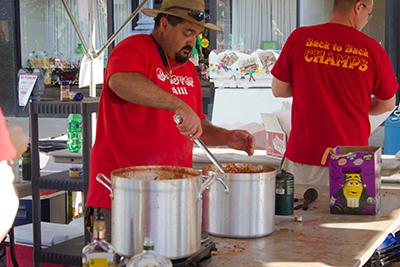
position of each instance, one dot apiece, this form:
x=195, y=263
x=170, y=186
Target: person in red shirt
x=13, y=142
x=147, y=81
x=337, y=76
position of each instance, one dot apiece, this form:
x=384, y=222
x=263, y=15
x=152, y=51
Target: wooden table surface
x=23, y=188
x=321, y=239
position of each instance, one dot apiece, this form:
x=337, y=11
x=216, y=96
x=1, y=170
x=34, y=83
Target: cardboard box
x=53, y=208
x=279, y=122
x=355, y=177
x=277, y=130
x=274, y=135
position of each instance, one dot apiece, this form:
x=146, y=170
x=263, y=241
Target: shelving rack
x=69, y=252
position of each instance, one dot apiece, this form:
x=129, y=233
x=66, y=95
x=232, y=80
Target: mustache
x=188, y=47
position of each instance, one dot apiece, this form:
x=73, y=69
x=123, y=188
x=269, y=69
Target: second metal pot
x=248, y=210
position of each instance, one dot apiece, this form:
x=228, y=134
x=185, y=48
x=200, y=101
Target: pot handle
x=103, y=180
x=209, y=180
x=219, y=179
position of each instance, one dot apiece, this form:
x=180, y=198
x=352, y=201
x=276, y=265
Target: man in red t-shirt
x=148, y=80
x=13, y=143
x=337, y=75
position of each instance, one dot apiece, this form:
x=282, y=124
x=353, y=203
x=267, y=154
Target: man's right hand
x=191, y=123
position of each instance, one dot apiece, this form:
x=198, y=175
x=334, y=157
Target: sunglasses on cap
x=196, y=14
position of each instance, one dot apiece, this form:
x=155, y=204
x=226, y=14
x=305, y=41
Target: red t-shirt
x=7, y=150
x=334, y=69
x=134, y=135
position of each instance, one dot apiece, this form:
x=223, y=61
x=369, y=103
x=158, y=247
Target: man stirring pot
x=148, y=80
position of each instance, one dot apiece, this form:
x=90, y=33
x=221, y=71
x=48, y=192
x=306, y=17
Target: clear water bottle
x=74, y=143
x=149, y=257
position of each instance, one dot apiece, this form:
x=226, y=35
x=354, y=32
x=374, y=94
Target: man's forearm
x=213, y=135
x=281, y=89
x=137, y=89
x=380, y=106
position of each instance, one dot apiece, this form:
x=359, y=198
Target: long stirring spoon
x=178, y=120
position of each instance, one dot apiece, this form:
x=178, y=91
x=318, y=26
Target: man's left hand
x=241, y=140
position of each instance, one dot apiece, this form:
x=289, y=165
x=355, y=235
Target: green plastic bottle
x=74, y=143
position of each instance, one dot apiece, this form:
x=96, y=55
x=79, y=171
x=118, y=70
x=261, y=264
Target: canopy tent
x=92, y=55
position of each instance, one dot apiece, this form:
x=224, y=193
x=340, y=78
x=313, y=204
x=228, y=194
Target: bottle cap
x=148, y=244
x=78, y=97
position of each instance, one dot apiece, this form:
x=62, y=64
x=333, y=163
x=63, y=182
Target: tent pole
x=76, y=26
x=128, y=20
x=92, y=40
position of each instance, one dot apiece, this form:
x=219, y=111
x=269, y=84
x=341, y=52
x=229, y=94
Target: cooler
x=52, y=234
x=24, y=257
x=391, y=144
x=53, y=208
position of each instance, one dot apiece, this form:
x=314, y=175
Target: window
x=122, y=10
x=313, y=12
x=47, y=32
x=251, y=23
x=248, y=24
x=140, y=24
x=319, y=11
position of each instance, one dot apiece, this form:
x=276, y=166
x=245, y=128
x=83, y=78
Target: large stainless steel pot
x=160, y=202
x=248, y=209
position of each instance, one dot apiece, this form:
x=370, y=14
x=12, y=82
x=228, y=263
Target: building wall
x=376, y=25
x=392, y=36
x=33, y=32
x=8, y=56
x=318, y=11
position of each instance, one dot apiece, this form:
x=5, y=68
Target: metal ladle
x=178, y=120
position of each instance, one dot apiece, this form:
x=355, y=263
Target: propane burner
x=201, y=256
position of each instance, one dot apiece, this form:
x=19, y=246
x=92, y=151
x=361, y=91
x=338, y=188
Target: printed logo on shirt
x=178, y=84
x=337, y=55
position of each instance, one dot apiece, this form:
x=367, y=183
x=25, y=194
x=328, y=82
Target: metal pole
x=76, y=26
x=35, y=176
x=92, y=48
x=213, y=8
x=130, y=18
x=92, y=53
x=298, y=13
x=92, y=40
x=110, y=22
